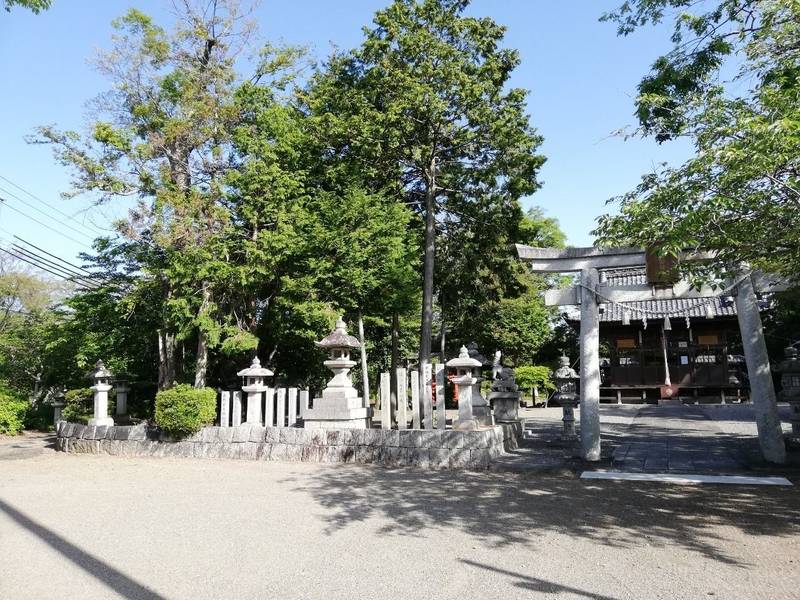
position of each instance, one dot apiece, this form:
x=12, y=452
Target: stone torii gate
x=589, y=293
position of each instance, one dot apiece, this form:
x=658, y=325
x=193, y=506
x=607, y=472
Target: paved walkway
x=706, y=439
x=27, y=445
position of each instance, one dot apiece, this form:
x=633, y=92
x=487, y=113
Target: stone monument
x=480, y=406
x=340, y=406
x=102, y=385
x=504, y=396
x=465, y=381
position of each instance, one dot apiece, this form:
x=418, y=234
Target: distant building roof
x=721, y=306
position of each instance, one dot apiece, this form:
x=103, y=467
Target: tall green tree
x=164, y=134
x=731, y=85
x=423, y=112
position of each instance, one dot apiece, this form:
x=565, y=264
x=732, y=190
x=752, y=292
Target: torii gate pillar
x=762, y=390
x=590, y=367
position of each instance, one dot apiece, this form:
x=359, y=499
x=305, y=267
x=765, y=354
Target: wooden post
x=415, y=420
x=280, y=410
x=762, y=392
x=237, y=408
x=386, y=403
x=224, y=409
x=292, y=407
x=402, y=398
x=427, y=400
x=590, y=367
x=441, y=414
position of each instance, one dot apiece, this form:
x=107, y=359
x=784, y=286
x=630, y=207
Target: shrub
x=531, y=376
x=79, y=405
x=183, y=409
x=12, y=412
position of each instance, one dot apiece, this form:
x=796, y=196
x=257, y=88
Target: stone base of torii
x=590, y=293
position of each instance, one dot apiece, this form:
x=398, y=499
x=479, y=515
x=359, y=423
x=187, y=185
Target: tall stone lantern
x=790, y=388
x=340, y=406
x=567, y=395
x=464, y=379
x=254, y=386
x=102, y=385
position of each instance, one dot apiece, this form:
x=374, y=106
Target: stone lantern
x=254, y=387
x=790, y=388
x=340, y=406
x=567, y=395
x=102, y=385
x=58, y=405
x=504, y=396
x=464, y=379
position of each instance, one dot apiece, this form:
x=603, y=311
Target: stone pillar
x=441, y=409
x=464, y=367
x=122, y=398
x=386, y=403
x=402, y=398
x=280, y=410
x=237, y=408
x=224, y=409
x=416, y=423
x=590, y=367
x=762, y=391
x=292, y=407
x=302, y=398
x=269, y=407
x=102, y=386
x=427, y=399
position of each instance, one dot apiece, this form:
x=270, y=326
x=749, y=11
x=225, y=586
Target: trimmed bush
x=12, y=412
x=184, y=410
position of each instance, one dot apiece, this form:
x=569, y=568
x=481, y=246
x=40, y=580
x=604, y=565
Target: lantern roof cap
x=255, y=370
x=339, y=338
x=463, y=360
x=100, y=371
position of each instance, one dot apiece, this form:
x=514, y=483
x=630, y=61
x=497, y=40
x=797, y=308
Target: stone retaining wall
x=422, y=448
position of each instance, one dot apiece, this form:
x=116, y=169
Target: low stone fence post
x=224, y=409
x=292, y=407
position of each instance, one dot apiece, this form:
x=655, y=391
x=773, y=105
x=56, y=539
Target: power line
x=62, y=213
x=54, y=256
x=81, y=286
x=61, y=233
x=53, y=265
x=46, y=214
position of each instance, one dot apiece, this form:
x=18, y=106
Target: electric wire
x=45, y=225
x=46, y=214
x=78, y=284
x=51, y=264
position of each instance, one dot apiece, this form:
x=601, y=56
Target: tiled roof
x=677, y=308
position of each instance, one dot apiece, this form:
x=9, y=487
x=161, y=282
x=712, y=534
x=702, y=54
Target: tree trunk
x=166, y=359
x=395, y=363
x=426, y=328
x=201, y=360
x=364, y=369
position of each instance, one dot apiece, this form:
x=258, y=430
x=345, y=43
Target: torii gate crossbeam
x=590, y=293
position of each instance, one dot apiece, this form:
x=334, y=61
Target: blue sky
x=582, y=79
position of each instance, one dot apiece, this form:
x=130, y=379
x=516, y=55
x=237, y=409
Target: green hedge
x=12, y=412
x=183, y=409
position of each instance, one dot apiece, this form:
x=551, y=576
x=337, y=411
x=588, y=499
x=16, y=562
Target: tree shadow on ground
x=516, y=508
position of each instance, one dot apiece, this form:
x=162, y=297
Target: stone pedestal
x=506, y=406
x=57, y=408
x=254, y=395
x=466, y=419
x=254, y=387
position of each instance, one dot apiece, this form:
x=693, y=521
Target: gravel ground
x=102, y=527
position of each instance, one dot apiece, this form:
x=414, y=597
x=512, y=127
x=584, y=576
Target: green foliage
x=183, y=410
x=12, y=411
x=78, y=405
x=738, y=195
x=35, y=6
x=530, y=376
